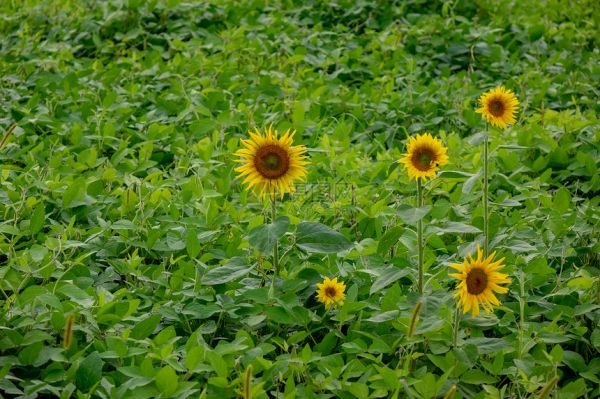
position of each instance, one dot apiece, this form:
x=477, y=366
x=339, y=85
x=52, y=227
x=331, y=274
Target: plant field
x=158, y=240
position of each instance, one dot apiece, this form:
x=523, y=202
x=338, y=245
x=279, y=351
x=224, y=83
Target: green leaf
x=145, y=327
x=38, y=252
x=75, y=191
x=595, y=338
x=192, y=244
x=412, y=215
x=539, y=266
x=76, y=294
x=456, y=227
x=383, y=316
x=562, y=200
x=166, y=381
x=477, y=377
x=557, y=354
x=89, y=372
x=315, y=237
x=235, y=268
x=389, y=239
x=582, y=282
x=387, y=277
x=454, y=174
x=298, y=114
x=38, y=218
x=30, y=354
x=488, y=345
x=266, y=236
x=470, y=182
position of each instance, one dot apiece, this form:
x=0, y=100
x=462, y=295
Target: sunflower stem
x=276, y=246
x=485, y=194
x=456, y=326
x=420, y=236
x=521, y=312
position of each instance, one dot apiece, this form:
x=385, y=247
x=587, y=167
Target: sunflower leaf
x=266, y=236
x=412, y=215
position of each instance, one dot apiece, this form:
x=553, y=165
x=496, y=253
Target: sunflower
x=270, y=164
x=498, y=106
x=425, y=154
x=331, y=292
x=479, y=279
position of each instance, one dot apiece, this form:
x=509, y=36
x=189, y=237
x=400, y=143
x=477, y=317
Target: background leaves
x=119, y=206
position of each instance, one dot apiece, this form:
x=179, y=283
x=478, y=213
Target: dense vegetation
x=121, y=214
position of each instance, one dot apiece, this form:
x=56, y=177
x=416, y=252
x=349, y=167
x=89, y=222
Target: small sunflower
x=498, y=106
x=479, y=279
x=270, y=163
x=425, y=154
x=331, y=292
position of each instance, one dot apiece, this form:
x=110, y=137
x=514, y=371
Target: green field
x=134, y=262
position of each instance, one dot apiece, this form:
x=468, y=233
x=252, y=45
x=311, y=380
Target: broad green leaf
x=470, y=182
x=234, y=269
x=383, y=317
x=389, y=239
x=316, y=237
x=145, y=327
x=453, y=174
x=89, y=372
x=38, y=218
x=387, y=277
x=477, y=377
x=266, y=236
x=38, y=252
x=412, y=215
x=166, y=381
x=487, y=345
x=192, y=243
x=456, y=227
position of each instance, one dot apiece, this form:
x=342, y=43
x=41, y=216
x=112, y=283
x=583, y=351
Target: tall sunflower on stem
x=498, y=107
x=425, y=154
x=270, y=164
x=479, y=278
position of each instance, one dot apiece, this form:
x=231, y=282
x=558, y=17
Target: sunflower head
x=269, y=163
x=425, y=154
x=479, y=279
x=331, y=292
x=498, y=107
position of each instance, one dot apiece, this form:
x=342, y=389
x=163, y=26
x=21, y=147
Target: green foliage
x=119, y=204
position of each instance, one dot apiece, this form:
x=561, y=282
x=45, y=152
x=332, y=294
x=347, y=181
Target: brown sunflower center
x=496, y=107
x=331, y=292
x=272, y=161
x=477, y=281
x=423, y=159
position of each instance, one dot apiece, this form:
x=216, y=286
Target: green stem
x=521, y=312
x=276, y=246
x=420, y=236
x=456, y=326
x=486, y=215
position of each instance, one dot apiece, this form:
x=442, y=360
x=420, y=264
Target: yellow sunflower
x=498, y=106
x=331, y=292
x=479, y=279
x=425, y=154
x=270, y=164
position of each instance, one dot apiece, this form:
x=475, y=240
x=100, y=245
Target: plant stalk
x=420, y=236
x=276, y=246
x=486, y=215
x=456, y=326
